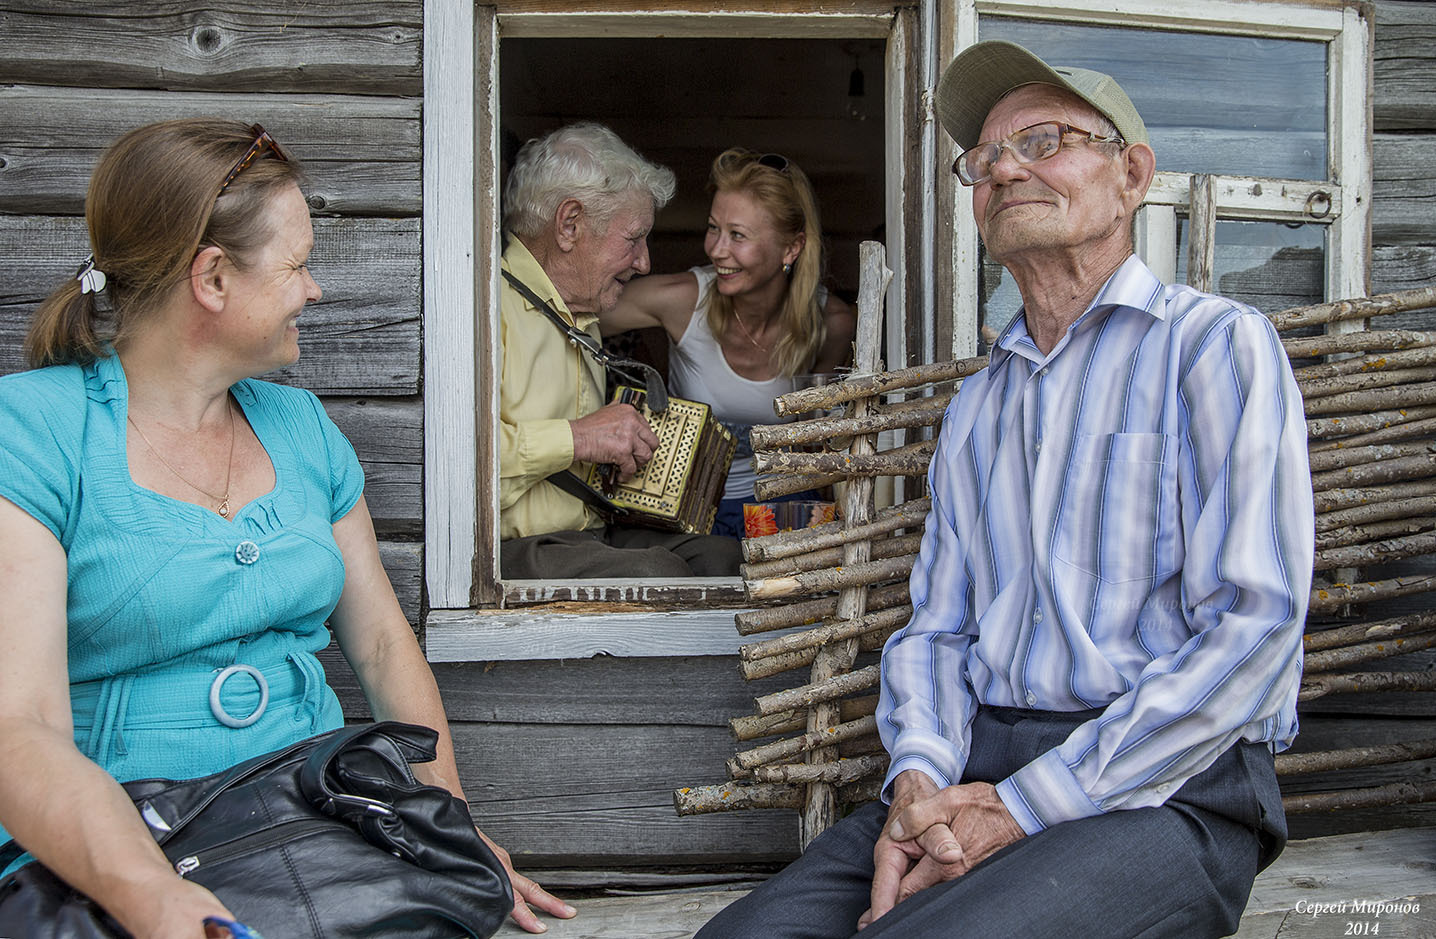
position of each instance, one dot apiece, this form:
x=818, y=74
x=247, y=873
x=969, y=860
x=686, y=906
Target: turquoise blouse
x=164, y=595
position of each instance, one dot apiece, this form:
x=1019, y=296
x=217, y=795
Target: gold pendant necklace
x=739, y=320
x=223, y=500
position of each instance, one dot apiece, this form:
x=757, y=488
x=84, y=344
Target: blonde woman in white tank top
x=740, y=329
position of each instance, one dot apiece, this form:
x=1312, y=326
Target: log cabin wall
x=567, y=762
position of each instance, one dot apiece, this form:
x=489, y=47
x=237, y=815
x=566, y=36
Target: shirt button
x=1031, y=699
x=247, y=552
x=1036, y=616
x=1044, y=371
x=1039, y=446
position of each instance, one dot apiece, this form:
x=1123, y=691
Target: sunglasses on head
x=774, y=161
x=262, y=140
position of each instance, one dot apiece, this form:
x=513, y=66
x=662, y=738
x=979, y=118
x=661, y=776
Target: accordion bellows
x=679, y=489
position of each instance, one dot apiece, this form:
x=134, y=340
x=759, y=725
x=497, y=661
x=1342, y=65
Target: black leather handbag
x=331, y=836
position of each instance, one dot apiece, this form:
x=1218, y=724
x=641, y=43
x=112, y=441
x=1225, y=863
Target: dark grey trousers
x=616, y=551
x=1184, y=869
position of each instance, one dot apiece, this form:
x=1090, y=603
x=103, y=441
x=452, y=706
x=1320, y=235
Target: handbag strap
x=9, y=852
x=652, y=381
x=314, y=776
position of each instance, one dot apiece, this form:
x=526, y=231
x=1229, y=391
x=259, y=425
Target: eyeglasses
x=1028, y=145
x=261, y=140
x=774, y=161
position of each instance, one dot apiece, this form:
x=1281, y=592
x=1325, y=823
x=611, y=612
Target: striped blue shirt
x=1125, y=523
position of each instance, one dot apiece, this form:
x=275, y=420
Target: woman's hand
x=527, y=893
x=174, y=910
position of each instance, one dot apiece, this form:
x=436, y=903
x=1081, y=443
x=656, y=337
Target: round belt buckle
x=217, y=709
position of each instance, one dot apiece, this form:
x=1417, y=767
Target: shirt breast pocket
x=1119, y=519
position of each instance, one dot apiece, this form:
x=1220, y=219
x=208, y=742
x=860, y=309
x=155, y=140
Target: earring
x=787, y=268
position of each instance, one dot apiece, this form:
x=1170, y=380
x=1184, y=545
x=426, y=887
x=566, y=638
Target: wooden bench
x=1367, y=884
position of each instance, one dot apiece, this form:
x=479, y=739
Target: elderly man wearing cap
x=1105, y=644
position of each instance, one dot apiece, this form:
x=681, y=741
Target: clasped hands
x=934, y=835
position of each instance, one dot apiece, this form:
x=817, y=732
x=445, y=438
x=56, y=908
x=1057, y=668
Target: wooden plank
x=361, y=152
x=667, y=23
x=1404, y=188
x=388, y=436
x=361, y=338
x=777, y=7
x=670, y=593
x=1405, y=71
x=352, y=46
x=657, y=916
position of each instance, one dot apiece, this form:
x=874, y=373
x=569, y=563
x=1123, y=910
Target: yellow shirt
x=544, y=383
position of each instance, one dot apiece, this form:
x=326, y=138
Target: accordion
x=679, y=488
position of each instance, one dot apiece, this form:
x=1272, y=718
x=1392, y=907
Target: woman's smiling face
x=744, y=244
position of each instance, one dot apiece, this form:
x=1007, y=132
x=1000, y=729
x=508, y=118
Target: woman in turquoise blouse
x=173, y=533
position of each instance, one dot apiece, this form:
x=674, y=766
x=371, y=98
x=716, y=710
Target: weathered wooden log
x=1358, y=308
x=828, y=632
x=870, y=641
x=772, y=487
x=1365, y=364
x=753, y=726
x=1307, y=347
x=1338, y=384
x=908, y=460
x=1372, y=797
x=1410, y=430
x=866, y=386
x=828, y=690
x=1360, y=534
x=1329, y=500
x=1368, y=632
x=836, y=773
x=864, y=790
x=1352, y=424
x=813, y=611
x=1320, y=686
x=1297, y=764
x=828, y=557
x=836, y=533
x=1375, y=512
x=833, y=578
x=1373, y=474
x=1391, y=549
x=1347, y=656
x=1345, y=457
x=1328, y=597
x=1397, y=396
x=745, y=760
x=733, y=796
x=820, y=429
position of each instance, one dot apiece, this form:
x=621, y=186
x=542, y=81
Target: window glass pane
x=1232, y=105
x=1271, y=265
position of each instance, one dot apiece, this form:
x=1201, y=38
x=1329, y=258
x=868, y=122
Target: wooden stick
x=870, y=641
x=730, y=797
x=818, y=430
x=1397, y=396
x=1328, y=597
x=753, y=726
x=1392, y=794
x=1362, y=423
x=827, y=690
x=866, y=386
x=864, y=790
x=1372, y=474
x=1359, y=308
x=833, y=578
x=1337, y=384
x=1202, y=232
x=745, y=760
x=1357, y=455
x=1296, y=764
x=1359, y=682
x=1331, y=499
x=828, y=632
x=1404, y=431
x=1375, y=512
x=1359, y=534
x=771, y=487
x=1377, y=362
x=833, y=534
x=909, y=460
x=1367, y=632
x=828, y=557
x=812, y=611
x=1307, y=347
x=843, y=771
x=1391, y=549
x=1347, y=656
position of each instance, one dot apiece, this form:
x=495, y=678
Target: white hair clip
x=91, y=278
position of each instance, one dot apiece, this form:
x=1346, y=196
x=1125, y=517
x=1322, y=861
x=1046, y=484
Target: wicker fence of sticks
x=1370, y=401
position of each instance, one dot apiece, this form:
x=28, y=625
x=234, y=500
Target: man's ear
x=1141, y=165
x=568, y=223
x=209, y=279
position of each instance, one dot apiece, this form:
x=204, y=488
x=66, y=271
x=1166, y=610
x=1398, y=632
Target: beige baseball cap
x=982, y=73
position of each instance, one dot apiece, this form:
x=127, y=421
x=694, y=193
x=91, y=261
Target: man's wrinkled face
x=1069, y=200
x=606, y=259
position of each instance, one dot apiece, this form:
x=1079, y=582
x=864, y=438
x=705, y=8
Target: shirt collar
x=1132, y=285
x=520, y=262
